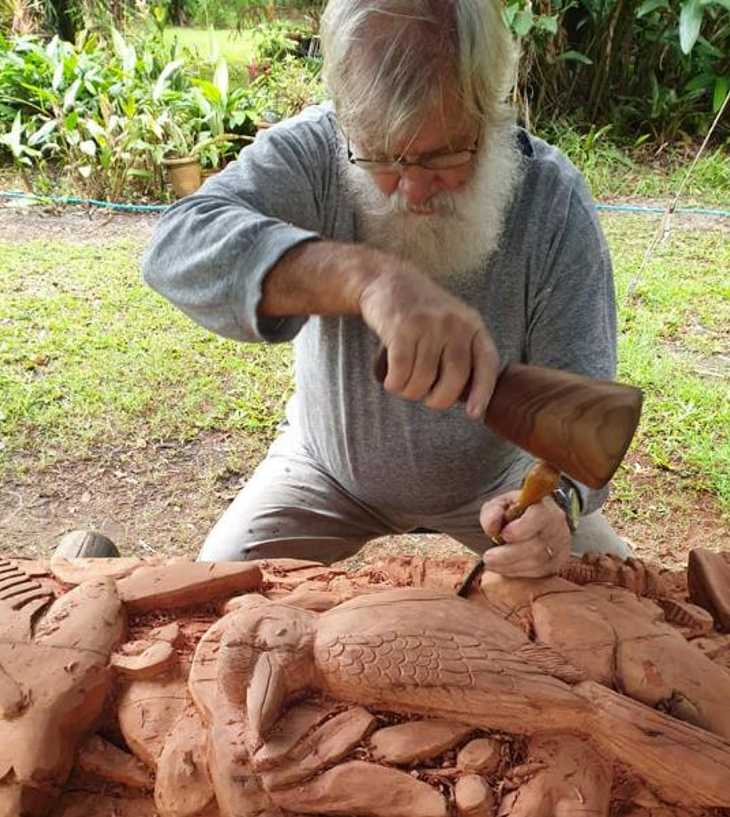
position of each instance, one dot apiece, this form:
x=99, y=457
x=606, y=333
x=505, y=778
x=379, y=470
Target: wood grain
x=581, y=425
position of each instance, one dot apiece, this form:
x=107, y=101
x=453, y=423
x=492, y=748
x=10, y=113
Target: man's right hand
x=435, y=343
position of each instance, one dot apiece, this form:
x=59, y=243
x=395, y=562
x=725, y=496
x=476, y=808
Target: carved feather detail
x=428, y=659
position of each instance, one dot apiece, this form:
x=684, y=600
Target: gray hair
x=389, y=63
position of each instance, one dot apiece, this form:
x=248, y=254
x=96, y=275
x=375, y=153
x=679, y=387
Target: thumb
x=491, y=515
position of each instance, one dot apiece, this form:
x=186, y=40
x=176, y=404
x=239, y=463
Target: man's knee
x=221, y=548
x=595, y=535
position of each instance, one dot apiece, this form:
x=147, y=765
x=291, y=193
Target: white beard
x=463, y=228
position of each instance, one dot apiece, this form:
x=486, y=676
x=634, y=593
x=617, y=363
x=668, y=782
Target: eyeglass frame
x=400, y=165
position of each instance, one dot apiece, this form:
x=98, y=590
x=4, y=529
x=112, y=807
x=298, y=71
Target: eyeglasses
x=431, y=161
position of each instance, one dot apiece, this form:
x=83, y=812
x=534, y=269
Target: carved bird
x=53, y=682
x=430, y=654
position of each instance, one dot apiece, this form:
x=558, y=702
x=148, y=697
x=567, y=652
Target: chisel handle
x=540, y=481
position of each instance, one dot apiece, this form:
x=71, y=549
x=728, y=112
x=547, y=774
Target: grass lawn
x=235, y=46
x=92, y=362
x=643, y=173
x=91, y=353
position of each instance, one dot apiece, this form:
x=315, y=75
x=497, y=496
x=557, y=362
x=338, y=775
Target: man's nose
x=417, y=185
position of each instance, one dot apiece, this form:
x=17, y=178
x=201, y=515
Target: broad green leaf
x=166, y=72
x=209, y=91
x=574, y=56
x=722, y=88
x=57, y=77
x=88, y=146
x=508, y=14
x=220, y=78
x=690, y=20
x=523, y=22
x=547, y=23
x=120, y=44
x=69, y=97
x=42, y=133
x=650, y=5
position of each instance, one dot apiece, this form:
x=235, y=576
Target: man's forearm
x=319, y=278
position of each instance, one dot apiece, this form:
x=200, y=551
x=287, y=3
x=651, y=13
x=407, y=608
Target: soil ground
x=164, y=497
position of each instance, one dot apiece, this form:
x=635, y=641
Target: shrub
x=661, y=66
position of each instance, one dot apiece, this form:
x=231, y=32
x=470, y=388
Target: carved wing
x=21, y=599
x=428, y=659
x=396, y=658
x=417, y=659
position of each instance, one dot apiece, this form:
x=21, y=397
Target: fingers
x=454, y=371
x=537, y=544
x=435, y=367
x=425, y=370
x=435, y=343
x=544, y=518
x=485, y=368
x=401, y=356
x=530, y=560
x=491, y=515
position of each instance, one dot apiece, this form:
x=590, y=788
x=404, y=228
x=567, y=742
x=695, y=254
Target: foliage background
x=93, y=95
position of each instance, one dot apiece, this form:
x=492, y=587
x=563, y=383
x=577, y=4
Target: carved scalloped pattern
x=17, y=589
x=636, y=575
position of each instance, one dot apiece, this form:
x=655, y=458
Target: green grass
x=645, y=172
x=89, y=355
x=675, y=344
x=235, y=46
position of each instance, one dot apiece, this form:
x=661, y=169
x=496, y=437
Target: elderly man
x=409, y=214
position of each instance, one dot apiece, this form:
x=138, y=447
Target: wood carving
x=622, y=642
x=708, y=577
x=327, y=693
x=633, y=574
x=54, y=680
x=581, y=425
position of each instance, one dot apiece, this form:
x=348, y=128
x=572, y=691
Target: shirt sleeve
x=211, y=251
x=572, y=320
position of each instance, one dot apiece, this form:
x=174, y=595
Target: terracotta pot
x=185, y=175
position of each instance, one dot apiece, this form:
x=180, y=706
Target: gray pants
x=292, y=508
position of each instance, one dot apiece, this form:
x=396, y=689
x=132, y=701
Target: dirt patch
x=76, y=224
x=162, y=498
x=664, y=516
x=165, y=497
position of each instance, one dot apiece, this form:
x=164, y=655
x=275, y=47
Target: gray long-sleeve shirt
x=546, y=295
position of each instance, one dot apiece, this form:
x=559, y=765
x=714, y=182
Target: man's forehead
x=437, y=133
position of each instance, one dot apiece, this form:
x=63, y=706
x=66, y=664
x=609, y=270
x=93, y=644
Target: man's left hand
x=537, y=544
